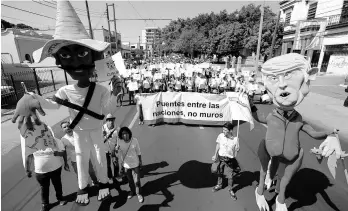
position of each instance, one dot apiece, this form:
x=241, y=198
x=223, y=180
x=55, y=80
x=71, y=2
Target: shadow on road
x=304, y=187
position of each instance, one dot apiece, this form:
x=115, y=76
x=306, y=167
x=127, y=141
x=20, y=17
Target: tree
x=6, y=24
x=221, y=33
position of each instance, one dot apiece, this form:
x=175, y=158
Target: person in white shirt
x=110, y=136
x=227, y=147
x=130, y=155
x=189, y=84
x=133, y=88
x=146, y=85
x=41, y=148
x=178, y=84
x=202, y=84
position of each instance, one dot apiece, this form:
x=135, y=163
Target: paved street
x=329, y=85
x=177, y=175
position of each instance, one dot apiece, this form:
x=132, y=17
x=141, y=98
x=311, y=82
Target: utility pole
x=107, y=16
x=89, y=21
x=274, y=36
x=259, y=40
x=113, y=6
x=139, y=43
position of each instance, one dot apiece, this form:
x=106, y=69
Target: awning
x=336, y=40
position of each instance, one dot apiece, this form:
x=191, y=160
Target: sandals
x=82, y=192
x=217, y=188
x=233, y=195
x=104, y=186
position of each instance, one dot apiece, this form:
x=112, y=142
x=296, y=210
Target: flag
x=119, y=63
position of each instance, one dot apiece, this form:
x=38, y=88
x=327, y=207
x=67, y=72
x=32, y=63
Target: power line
x=78, y=9
x=28, y=11
x=53, y=7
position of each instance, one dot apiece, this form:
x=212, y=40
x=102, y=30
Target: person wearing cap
x=227, y=148
x=75, y=52
x=287, y=79
x=110, y=136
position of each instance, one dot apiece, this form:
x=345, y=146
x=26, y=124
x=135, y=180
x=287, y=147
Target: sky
x=130, y=30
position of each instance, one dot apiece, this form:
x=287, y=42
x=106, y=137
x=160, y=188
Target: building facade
x=151, y=37
x=104, y=35
x=319, y=30
x=18, y=45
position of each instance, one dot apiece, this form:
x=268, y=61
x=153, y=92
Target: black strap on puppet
x=82, y=110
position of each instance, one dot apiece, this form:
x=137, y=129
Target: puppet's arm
x=313, y=133
x=258, y=116
x=45, y=102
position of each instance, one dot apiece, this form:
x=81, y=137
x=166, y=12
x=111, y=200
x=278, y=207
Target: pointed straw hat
x=69, y=30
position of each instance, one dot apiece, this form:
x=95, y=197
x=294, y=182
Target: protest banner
x=119, y=63
x=137, y=77
x=148, y=74
x=188, y=74
x=193, y=108
x=158, y=76
x=105, y=69
x=133, y=86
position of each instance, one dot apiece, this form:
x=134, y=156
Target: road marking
x=325, y=85
x=133, y=121
x=201, y=127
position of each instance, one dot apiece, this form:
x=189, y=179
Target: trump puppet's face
x=287, y=89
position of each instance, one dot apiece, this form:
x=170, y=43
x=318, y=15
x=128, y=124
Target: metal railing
x=38, y=80
x=336, y=19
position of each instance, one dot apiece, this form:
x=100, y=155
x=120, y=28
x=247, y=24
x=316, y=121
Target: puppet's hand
x=26, y=108
x=261, y=202
x=331, y=145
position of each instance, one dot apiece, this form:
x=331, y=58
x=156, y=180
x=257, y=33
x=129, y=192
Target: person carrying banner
x=44, y=151
x=87, y=101
x=227, y=148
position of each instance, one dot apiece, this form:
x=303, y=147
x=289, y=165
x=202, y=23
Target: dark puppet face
x=77, y=60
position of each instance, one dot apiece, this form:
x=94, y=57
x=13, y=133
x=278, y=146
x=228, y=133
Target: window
x=344, y=14
x=312, y=10
x=287, y=18
x=141, y=47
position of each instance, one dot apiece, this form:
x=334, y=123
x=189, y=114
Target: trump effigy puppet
x=87, y=101
x=287, y=79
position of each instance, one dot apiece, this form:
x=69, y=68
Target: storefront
x=334, y=55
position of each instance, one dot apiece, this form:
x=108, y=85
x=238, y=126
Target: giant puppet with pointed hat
x=76, y=53
x=287, y=79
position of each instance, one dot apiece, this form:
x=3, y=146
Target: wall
x=299, y=11
x=8, y=45
x=27, y=45
x=329, y=7
x=143, y=36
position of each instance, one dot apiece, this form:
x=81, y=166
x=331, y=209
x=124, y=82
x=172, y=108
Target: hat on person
x=109, y=116
x=69, y=30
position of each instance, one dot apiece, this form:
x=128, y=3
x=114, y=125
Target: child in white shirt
x=226, y=151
